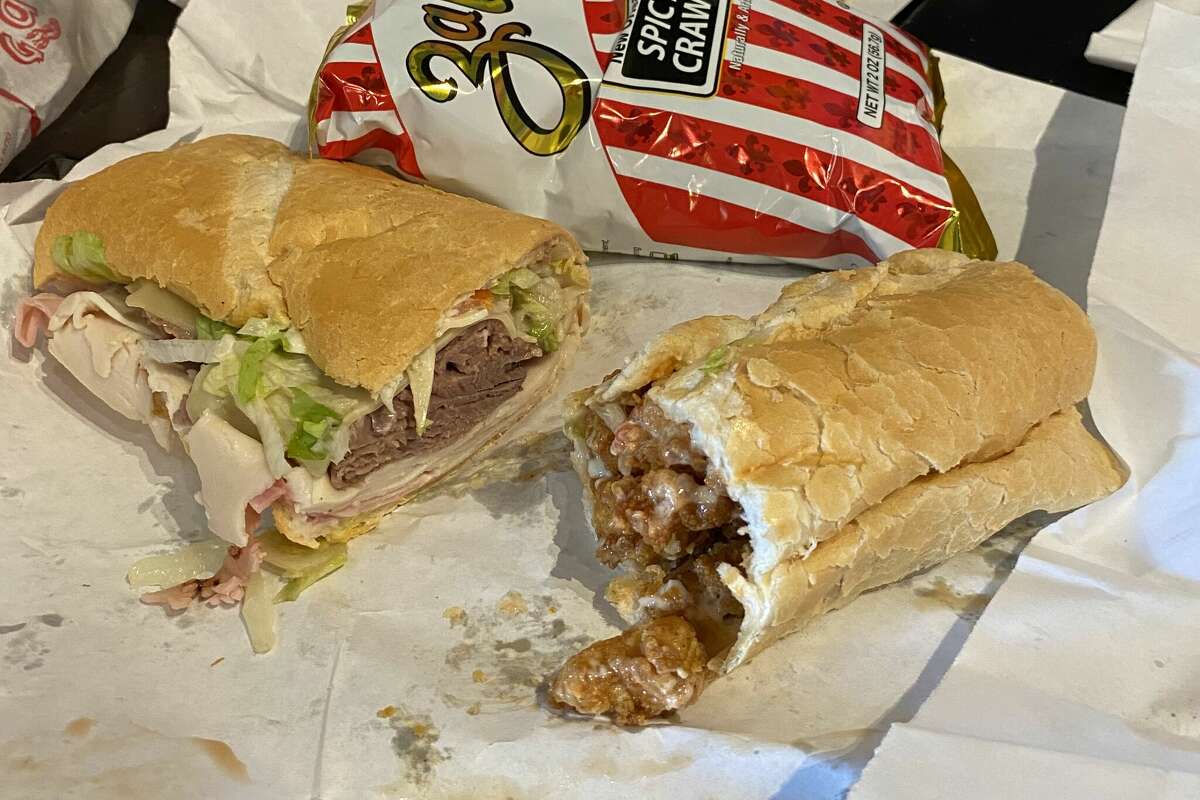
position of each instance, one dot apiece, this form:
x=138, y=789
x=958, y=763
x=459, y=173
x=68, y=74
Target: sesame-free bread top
x=194, y=218
x=363, y=263
x=855, y=383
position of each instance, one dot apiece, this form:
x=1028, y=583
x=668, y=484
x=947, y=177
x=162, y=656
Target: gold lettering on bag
x=491, y=58
x=471, y=23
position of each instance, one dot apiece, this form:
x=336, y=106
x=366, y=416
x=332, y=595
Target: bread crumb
x=479, y=676
x=456, y=615
x=474, y=709
x=512, y=604
x=386, y=712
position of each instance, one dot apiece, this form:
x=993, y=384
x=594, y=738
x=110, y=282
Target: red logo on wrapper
x=746, y=130
x=31, y=46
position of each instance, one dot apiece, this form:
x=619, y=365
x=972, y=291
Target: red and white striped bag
x=746, y=130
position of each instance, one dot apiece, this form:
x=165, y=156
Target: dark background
x=127, y=97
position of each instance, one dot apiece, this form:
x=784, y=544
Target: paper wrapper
x=1120, y=43
x=1081, y=679
x=412, y=671
x=48, y=50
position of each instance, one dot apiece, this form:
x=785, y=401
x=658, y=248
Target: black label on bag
x=671, y=46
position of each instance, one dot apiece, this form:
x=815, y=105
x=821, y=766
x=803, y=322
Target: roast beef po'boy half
x=750, y=475
x=324, y=338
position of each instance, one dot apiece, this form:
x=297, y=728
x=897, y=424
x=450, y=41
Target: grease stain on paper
x=512, y=604
x=414, y=740
x=513, y=646
x=79, y=727
x=223, y=757
x=455, y=615
x=106, y=761
x=967, y=606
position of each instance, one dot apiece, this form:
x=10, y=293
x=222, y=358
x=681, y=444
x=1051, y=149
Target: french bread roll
x=867, y=425
x=241, y=227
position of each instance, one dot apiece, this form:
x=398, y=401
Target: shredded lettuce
x=546, y=334
x=522, y=277
x=537, y=309
x=313, y=421
x=261, y=328
x=283, y=370
x=294, y=409
x=211, y=329
x=334, y=558
x=303, y=566
x=193, y=351
x=289, y=339
x=718, y=359
x=82, y=254
x=266, y=416
x=292, y=342
x=250, y=370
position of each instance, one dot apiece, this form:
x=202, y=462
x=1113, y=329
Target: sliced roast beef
x=476, y=372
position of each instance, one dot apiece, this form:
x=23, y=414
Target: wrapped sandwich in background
x=769, y=131
x=323, y=338
x=750, y=475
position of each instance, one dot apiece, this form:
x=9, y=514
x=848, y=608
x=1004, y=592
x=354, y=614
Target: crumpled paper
x=1081, y=679
x=48, y=51
x=414, y=670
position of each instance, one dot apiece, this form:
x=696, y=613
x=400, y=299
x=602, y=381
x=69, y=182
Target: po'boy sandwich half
x=324, y=339
x=751, y=475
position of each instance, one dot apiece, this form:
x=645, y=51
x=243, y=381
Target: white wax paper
x=378, y=686
x=1081, y=679
x=48, y=51
x=1120, y=42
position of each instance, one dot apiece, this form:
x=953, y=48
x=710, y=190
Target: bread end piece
x=195, y=219
x=1058, y=467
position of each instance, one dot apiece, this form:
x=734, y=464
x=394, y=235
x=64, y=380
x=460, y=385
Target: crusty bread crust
x=195, y=218
x=851, y=386
x=1059, y=466
x=364, y=263
x=295, y=527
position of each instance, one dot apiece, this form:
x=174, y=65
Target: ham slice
x=263, y=501
x=33, y=317
x=226, y=588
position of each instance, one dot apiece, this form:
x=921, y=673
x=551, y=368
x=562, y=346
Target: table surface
x=127, y=97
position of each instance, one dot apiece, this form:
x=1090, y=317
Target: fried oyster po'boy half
x=325, y=339
x=750, y=475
